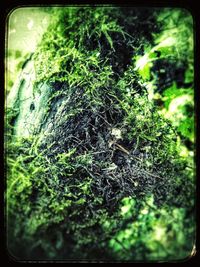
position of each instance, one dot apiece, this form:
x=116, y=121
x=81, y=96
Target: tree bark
x=31, y=104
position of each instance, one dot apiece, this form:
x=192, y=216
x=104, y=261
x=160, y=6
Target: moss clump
x=102, y=142
x=167, y=68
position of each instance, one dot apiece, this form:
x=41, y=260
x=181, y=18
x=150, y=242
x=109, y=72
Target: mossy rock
x=92, y=139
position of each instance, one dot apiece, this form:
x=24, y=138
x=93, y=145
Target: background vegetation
x=113, y=178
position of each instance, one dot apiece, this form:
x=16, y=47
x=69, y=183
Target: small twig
x=104, y=119
x=134, y=157
x=99, y=152
x=122, y=149
x=126, y=151
x=151, y=174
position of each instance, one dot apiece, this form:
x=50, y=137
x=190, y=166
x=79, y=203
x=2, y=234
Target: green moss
x=172, y=46
x=151, y=225
x=81, y=190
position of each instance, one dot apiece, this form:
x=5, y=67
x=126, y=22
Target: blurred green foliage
x=153, y=229
x=174, y=44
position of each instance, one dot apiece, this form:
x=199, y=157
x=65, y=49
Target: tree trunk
x=105, y=155
x=31, y=104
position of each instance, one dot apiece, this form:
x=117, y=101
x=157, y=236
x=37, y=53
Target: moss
x=73, y=189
